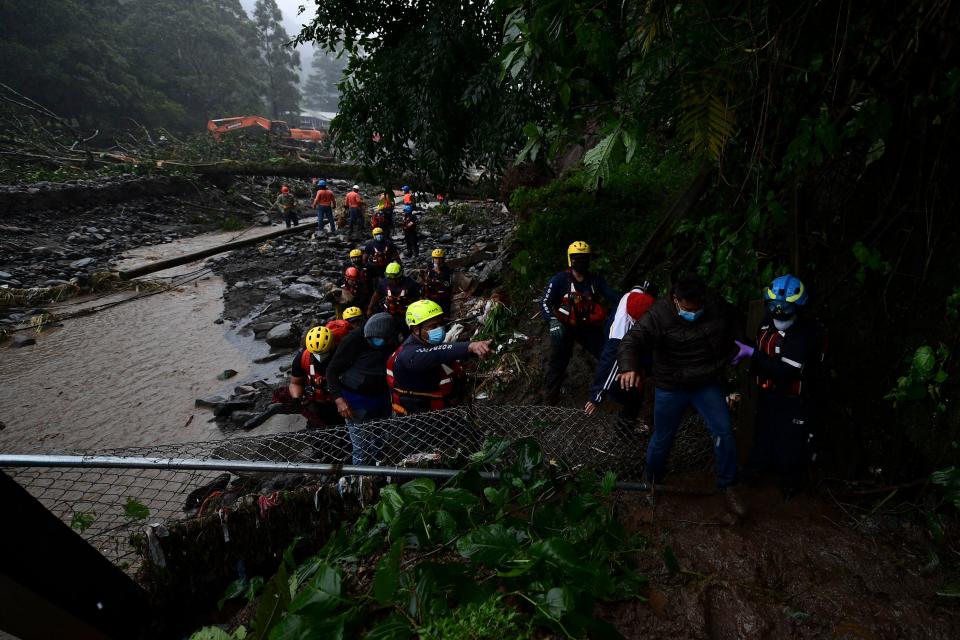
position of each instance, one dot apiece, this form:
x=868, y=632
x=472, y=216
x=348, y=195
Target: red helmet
x=284, y=189
x=352, y=272
x=339, y=328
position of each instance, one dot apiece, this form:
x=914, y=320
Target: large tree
x=280, y=61
x=320, y=91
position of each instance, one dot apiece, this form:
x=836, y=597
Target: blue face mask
x=377, y=342
x=436, y=335
x=378, y=238
x=689, y=316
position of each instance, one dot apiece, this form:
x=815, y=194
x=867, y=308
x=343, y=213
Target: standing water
x=128, y=375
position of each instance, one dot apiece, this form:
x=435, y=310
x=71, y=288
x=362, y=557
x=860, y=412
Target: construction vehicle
x=277, y=129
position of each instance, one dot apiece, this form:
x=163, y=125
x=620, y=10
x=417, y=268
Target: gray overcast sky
x=292, y=22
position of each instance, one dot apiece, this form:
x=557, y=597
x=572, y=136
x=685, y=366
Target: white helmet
x=356, y=187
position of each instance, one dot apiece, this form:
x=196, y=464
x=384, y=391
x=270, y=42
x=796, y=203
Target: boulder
x=226, y=374
x=20, y=340
x=209, y=401
x=82, y=262
x=5, y=276
x=301, y=293
x=283, y=335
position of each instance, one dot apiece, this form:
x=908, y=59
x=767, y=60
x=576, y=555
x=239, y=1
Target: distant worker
x=385, y=206
x=379, y=252
x=572, y=310
x=308, y=379
x=358, y=383
x=438, y=280
x=394, y=293
x=324, y=202
x=354, y=209
x=691, y=336
x=410, y=234
x=408, y=196
x=286, y=202
x=424, y=373
x=632, y=306
x=788, y=365
x=353, y=315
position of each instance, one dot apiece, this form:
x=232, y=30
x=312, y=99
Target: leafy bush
x=924, y=378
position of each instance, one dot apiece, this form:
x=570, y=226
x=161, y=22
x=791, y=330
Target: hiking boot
x=733, y=502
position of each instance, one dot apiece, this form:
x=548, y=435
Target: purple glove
x=743, y=351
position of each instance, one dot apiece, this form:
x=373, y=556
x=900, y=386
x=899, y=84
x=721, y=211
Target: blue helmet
x=321, y=183
x=784, y=295
x=408, y=208
x=406, y=188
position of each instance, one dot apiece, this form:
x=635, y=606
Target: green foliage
x=949, y=481
x=542, y=536
x=924, y=378
x=280, y=62
x=135, y=510
x=869, y=260
x=953, y=304
x=82, y=520
x=241, y=588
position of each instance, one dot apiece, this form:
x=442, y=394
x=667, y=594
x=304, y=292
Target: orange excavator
x=260, y=125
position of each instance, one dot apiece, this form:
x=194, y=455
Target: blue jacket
x=559, y=286
x=418, y=366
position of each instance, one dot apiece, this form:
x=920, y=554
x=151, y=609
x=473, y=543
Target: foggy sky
x=292, y=22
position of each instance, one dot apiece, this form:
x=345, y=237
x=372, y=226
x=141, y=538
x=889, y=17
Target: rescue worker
x=354, y=259
x=379, y=252
x=324, y=202
x=410, y=235
x=438, y=280
x=632, y=306
x=408, y=198
x=394, y=293
x=286, y=202
x=571, y=308
x=788, y=365
x=691, y=337
x=354, y=209
x=357, y=287
x=385, y=206
x=308, y=379
x=353, y=315
x=424, y=373
x=357, y=380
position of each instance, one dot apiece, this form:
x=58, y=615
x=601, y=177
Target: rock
x=272, y=356
x=42, y=251
x=307, y=280
x=5, y=276
x=227, y=374
x=55, y=282
x=241, y=284
x=301, y=293
x=82, y=262
x=283, y=335
x=445, y=238
x=209, y=401
x=19, y=340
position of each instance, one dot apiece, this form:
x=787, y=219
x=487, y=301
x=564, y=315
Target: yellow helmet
x=577, y=248
x=438, y=253
x=352, y=312
x=377, y=231
x=421, y=311
x=355, y=253
x=319, y=340
x=393, y=270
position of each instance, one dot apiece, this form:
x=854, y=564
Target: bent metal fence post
x=108, y=495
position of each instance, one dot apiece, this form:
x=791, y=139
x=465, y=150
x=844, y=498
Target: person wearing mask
x=379, y=252
x=632, y=306
x=424, y=373
x=394, y=293
x=571, y=307
x=438, y=280
x=787, y=363
x=410, y=235
x=690, y=335
x=357, y=287
x=354, y=209
x=324, y=202
x=286, y=202
x=357, y=380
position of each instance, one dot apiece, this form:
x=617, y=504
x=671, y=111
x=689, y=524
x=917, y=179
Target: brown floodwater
x=128, y=375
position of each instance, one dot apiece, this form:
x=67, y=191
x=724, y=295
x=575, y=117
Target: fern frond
x=706, y=122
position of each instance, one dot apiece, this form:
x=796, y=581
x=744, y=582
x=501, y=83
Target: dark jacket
x=358, y=367
x=686, y=355
x=790, y=361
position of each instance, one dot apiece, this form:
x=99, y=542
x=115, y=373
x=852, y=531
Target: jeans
x=367, y=441
x=323, y=215
x=355, y=215
x=290, y=218
x=711, y=402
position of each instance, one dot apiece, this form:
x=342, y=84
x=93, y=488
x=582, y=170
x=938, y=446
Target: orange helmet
x=352, y=272
x=284, y=189
x=338, y=329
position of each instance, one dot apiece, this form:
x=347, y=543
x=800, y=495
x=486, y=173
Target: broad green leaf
x=390, y=503
x=273, y=603
x=609, y=481
x=597, y=161
x=558, y=601
x=529, y=455
x=560, y=554
x=446, y=523
x=491, y=544
x=454, y=497
x=387, y=579
x=393, y=627
x=310, y=627
x=417, y=489
x=135, y=510
x=211, y=633
x=924, y=361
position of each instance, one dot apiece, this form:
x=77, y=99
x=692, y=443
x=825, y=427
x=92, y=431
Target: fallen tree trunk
x=187, y=258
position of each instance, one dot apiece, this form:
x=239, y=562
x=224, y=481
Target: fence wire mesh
x=108, y=505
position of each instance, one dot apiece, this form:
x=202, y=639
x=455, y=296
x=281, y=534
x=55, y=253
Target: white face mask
x=783, y=325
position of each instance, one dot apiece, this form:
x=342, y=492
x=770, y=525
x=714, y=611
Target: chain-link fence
x=107, y=505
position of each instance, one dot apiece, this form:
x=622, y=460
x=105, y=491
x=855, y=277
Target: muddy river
x=128, y=375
